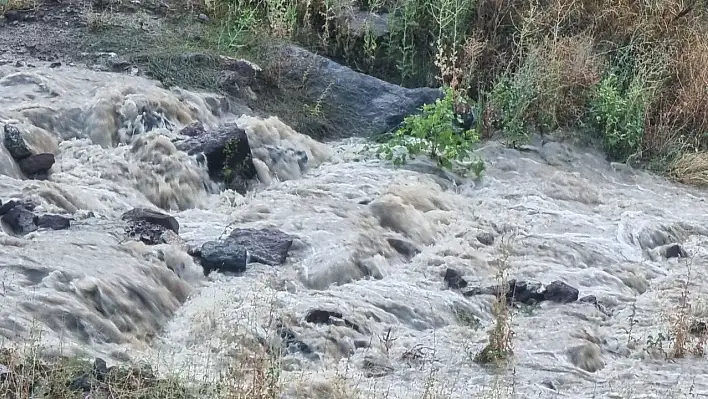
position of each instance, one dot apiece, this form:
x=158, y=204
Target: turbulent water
x=558, y=213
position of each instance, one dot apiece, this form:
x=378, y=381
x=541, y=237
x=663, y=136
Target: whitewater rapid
x=573, y=217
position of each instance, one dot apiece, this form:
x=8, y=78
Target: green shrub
x=436, y=131
x=618, y=118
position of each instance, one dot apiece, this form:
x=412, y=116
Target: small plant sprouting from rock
x=438, y=131
x=500, y=348
x=229, y=152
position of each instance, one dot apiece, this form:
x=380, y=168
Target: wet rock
x=292, y=344
x=672, y=251
x=228, y=154
x=454, y=279
x=7, y=206
x=36, y=163
x=152, y=217
x=560, y=292
x=224, y=256
x=20, y=220
x=148, y=233
x=15, y=144
x=267, y=246
x=355, y=104
x=529, y=293
x=404, y=247
x=525, y=292
x=53, y=222
x=193, y=129
x=318, y=316
x=149, y=226
x=485, y=238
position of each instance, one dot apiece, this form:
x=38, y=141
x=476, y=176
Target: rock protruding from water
x=228, y=155
x=53, y=222
x=34, y=166
x=19, y=217
x=148, y=226
x=319, y=316
x=529, y=293
x=454, y=279
x=20, y=220
x=355, y=104
x=224, y=256
x=267, y=246
x=232, y=254
x=15, y=144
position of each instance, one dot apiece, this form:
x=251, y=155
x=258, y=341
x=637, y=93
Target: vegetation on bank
x=632, y=75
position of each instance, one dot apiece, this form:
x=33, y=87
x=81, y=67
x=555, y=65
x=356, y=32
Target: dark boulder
x=525, y=292
x=403, y=247
x=8, y=205
x=15, y=144
x=20, y=220
x=232, y=254
x=454, y=279
x=224, y=256
x=485, y=238
x=149, y=226
x=53, y=222
x=228, y=155
x=560, y=292
x=291, y=343
x=152, y=217
x=353, y=103
x=36, y=163
x=529, y=293
x=673, y=251
x=193, y=129
x=318, y=316
x=267, y=246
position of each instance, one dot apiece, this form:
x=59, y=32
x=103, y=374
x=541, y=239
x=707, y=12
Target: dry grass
x=691, y=168
x=499, y=348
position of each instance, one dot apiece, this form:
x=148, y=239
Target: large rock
x=152, y=217
x=223, y=256
x=267, y=246
x=232, y=254
x=36, y=164
x=53, y=222
x=228, y=155
x=355, y=104
x=15, y=144
x=149, y=226
x=20, y=220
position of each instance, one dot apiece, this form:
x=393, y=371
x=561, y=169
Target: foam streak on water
x=576, y=218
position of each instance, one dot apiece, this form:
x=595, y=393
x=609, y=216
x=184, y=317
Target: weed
x=500, y=348
x=437, y=131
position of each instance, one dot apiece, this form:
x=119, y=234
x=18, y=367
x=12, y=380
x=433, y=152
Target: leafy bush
x=438, y=131
x=618, y=117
